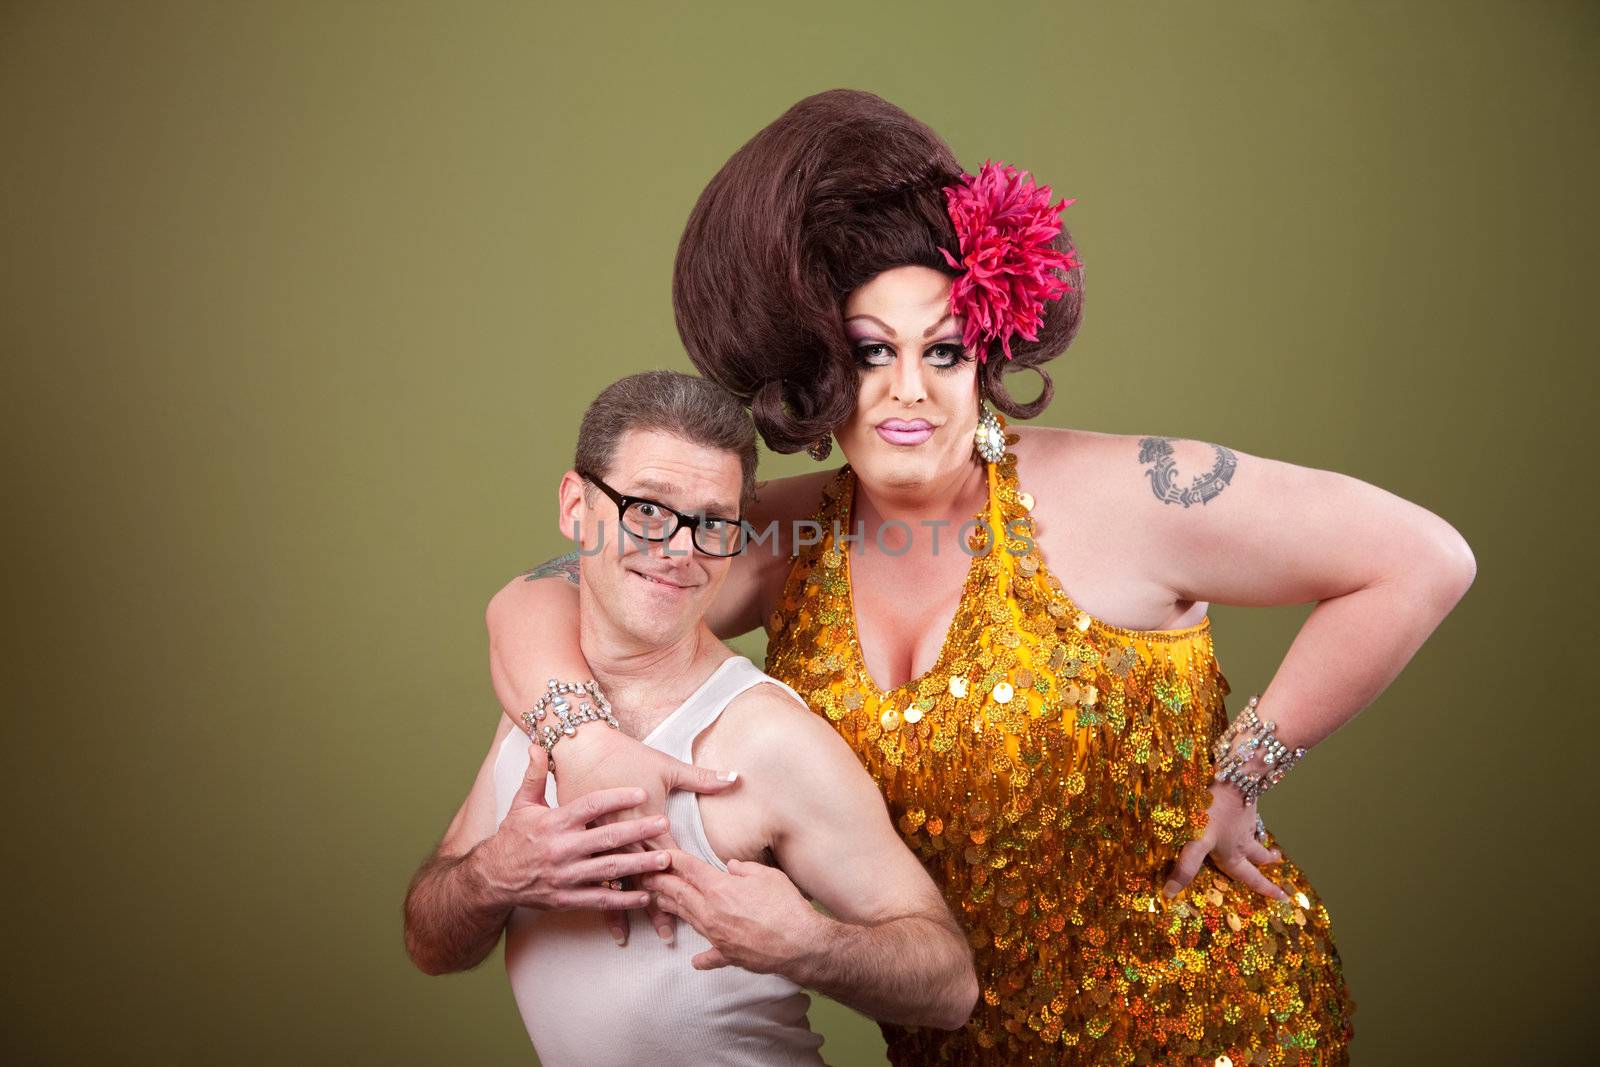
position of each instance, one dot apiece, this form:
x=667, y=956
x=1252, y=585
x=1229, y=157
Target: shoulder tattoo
x=1163, y=473
x=561, y=567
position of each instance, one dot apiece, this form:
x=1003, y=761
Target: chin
x=900, y=475
x=902, y=468
x=651, y=630
x=639, y=617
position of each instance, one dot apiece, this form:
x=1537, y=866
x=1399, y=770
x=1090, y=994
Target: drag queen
x=1008, y=623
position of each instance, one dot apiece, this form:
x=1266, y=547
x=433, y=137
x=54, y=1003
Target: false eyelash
x=962, y=356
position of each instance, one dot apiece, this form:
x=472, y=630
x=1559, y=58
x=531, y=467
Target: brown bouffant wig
x=842, y=187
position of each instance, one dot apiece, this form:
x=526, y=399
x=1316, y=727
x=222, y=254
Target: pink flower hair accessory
x=1005, y=225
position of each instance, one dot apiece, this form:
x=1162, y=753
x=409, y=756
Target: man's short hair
x=683, y=405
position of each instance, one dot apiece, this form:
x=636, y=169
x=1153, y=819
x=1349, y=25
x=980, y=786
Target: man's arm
x=538, y=857
x=889, y=947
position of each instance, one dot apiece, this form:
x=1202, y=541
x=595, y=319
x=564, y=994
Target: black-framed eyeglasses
x=651, y=520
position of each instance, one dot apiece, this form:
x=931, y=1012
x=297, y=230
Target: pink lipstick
x=905, y=431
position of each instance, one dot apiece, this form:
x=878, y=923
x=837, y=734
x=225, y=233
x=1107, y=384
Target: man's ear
x=570, y=507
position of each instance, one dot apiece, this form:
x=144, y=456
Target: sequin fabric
x=1046, y=771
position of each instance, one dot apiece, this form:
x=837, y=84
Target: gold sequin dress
x=1047, y=771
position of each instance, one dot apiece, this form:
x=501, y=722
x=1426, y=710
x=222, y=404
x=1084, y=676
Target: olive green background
x=300, y=304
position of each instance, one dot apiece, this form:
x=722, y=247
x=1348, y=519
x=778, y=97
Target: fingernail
x=1170, y=890
x=618, y=937
x=666, y=934
x=662, y=861
x=661, y=823
x=728, y=776
x=638, y=796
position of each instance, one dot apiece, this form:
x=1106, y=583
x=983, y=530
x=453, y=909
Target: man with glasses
x=643, y=520
x=655, y=502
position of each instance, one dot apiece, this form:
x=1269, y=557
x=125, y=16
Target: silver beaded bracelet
x=555, y=701
x=1258, y=735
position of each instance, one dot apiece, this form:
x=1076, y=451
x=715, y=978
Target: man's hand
x=548, y=858
x=753, y=916
x=598, y=758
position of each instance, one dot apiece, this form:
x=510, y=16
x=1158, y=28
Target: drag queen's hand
x=599, y=758
x=753, y=916
x=1230, y=840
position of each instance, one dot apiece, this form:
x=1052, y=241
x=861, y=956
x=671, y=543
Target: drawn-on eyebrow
x=929, y=332
x=884, y=326
x=667, y=491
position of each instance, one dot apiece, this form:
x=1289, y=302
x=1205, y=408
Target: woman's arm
x=756, y=579
x=533, y=634
x=533, y=637
x=537, y=857
x=1383, y=571
x=1232, y=528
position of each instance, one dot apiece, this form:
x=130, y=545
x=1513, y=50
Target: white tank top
x=587, y=1002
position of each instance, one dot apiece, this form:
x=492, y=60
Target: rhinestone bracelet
x=592, y=707
x=1278, y=757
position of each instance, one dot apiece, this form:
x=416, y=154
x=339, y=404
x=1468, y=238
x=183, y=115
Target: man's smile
x=664, y=581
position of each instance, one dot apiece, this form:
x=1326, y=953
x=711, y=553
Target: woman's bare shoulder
x=756, y=580
x=794, y=497
x=1083, y=480
x=1050, y=451
x=1125, y=496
